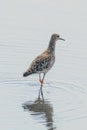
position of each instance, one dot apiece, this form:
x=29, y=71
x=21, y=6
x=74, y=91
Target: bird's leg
x=41, y=80
x=40, y=94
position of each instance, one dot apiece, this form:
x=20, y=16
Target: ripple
x=63, y=101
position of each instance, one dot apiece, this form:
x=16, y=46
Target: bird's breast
x=52, y=61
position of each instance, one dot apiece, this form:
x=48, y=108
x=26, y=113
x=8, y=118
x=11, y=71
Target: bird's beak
x=61, y=39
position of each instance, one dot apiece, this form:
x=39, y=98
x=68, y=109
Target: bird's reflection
x=42, y=109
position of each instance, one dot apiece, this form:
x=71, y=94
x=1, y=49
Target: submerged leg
x=41, y=81
x=40, y=91
x=40, y=94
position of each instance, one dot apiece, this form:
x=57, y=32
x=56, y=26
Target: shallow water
x=63, y=104
x=25, y=29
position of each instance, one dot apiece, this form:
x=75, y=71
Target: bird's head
x=56, y=37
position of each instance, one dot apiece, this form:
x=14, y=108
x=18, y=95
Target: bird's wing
x=40, y=63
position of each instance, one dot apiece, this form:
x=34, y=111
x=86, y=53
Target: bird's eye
x=57, y=35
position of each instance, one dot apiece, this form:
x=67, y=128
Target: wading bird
x=44, y=62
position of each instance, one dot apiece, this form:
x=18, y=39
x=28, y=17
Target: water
x=25, y=29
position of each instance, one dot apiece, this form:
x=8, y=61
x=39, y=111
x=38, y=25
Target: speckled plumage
x=44, y=62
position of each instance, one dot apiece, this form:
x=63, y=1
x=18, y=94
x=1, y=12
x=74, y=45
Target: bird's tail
x=27, y=73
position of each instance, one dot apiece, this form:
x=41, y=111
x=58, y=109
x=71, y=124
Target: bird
x=45, y=61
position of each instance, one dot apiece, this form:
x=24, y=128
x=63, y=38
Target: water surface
x=25, y=29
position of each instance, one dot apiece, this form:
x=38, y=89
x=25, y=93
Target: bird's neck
x=51, y=46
